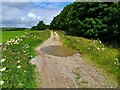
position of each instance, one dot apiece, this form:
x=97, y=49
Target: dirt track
x=66, y=72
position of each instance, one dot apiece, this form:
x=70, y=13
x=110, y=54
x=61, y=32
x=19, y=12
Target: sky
x=28, y=13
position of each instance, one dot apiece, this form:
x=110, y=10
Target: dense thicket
x=90, y=19
x=40, y=26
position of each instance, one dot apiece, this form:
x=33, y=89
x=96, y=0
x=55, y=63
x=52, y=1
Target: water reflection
x=57, y=50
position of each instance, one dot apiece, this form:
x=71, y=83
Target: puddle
x=57, y=50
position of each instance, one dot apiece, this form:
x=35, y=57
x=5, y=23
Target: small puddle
x=57, y=50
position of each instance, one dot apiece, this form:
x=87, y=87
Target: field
x=16, y=70
x=7, y=35
x=96, y=53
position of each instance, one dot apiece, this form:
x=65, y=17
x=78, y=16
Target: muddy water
x=57, y=50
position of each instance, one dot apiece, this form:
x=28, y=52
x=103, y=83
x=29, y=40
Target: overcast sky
x=27, y=14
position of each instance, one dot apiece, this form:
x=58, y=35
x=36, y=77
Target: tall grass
x=17, y=72
x=94, y=51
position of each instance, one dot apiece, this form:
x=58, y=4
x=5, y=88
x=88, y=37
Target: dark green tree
x=90, y=19
x=40, y=26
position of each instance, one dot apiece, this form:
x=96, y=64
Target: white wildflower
x=24, y=71
x=1, y=82
x=17, y=43
x=31, y=56
x=102, y=49
x=2, y=60
x=21, y=40
x=0, y=44
x=88, y=48
x=18, y=61
x=98, y=48
x=4, y=49
x=24, y=51
x=19, y=66
x=13, y=40
x=8, y=44
x=16, y=36
x=93, y=41
x=118, y=64
x=18, y=39
x=100, y=41
x=20, y=84
x=116, y=59
x=115, y=63
x=3, y=69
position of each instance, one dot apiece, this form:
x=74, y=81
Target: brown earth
x=66, y=72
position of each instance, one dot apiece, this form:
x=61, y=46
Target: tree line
x=90, y=19
x=13, y=29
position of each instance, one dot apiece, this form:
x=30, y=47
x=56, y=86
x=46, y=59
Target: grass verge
x=95, y=52
x=7, y=35
x=16, y=70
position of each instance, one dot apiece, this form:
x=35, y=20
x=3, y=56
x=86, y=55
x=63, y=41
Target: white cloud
x=22, y=18
x=31, y=15
x=46, y=15
x=39, y=17
x=30, y=19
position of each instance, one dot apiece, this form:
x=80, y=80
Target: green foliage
x=40, y=26
x=96, y=53
x=90, y=19
x=18, y=52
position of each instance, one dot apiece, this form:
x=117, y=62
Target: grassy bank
x=7, y=35
x=16, y=70
x=95, y=52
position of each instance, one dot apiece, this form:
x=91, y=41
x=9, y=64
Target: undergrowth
x=16, y=70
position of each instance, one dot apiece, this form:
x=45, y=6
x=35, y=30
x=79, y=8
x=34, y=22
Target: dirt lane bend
x=65, y=72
